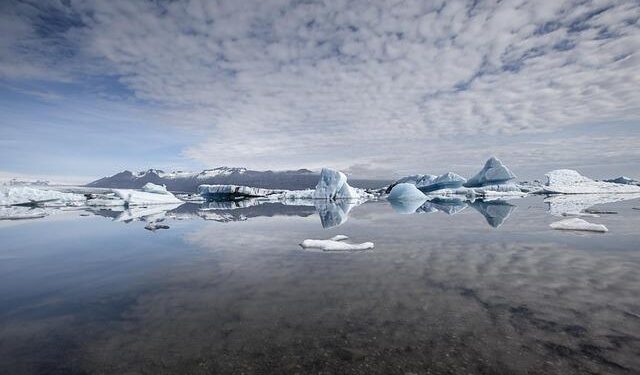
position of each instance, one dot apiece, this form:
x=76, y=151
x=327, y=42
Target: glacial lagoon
x=450, y=287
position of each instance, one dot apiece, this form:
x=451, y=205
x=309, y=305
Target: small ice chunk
x=335, y=243
x=406, y=192
x=578, y=224
x=567, y=181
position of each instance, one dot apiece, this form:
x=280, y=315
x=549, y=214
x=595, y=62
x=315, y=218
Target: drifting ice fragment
x=406, y=192
x=578, y=224
x=567, y=181
x=336, y=244
x=142, y=198
x=493, y=173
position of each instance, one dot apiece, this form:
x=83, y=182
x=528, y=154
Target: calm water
x=95, y=293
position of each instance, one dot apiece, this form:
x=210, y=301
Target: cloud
x=291, y=83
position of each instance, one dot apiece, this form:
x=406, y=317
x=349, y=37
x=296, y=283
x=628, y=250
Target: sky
x=379, y=89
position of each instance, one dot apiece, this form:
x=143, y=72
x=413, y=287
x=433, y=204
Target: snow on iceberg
x=10, y=195
x=333, y=185
x=142, y=198
x=336, y=243
x=578, y=224
x=567, y=181
x=493, y=173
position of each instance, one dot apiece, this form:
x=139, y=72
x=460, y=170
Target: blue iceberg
x=493, y=173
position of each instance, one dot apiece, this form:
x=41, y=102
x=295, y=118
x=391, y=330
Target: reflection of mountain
x=494, y=211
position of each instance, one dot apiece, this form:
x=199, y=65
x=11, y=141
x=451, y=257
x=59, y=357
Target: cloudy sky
x=379, y=89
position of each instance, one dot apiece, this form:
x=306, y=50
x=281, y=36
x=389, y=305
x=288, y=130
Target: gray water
x=82, y=293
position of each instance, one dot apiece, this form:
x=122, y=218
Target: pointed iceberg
x=493, y=173
x=333, y=185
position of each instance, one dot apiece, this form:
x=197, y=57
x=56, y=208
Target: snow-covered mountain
x=189, y=181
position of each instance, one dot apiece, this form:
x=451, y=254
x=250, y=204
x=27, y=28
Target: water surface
x=455, y=288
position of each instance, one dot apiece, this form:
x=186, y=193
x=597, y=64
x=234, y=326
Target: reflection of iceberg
x=450, y=206
x=495, y=211
x=21, y=213
x=152, y=213
x=406, y=206
x=575, y=204
x=333, y=214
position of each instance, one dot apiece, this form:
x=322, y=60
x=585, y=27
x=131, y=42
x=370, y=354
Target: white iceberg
x=493, y=173
x=336, y=243
x=406, y=192
x=10, y=195
x=567, y=181
x=578, y=224
x=153, y=188
x=143, y=198
x=333, y=185
x=21, y=213
x=428, y=183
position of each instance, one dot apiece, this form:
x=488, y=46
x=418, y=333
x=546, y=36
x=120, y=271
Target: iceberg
x=578, y=224
x=336, y=243
x=493, y=173
x=21, y=213
x=231, y=192
x=141, y=198
x=333, y=185
x=567, y=181
x=28, y=195
x=428, y=183
x=624, y=180
x=406, y=192
x=153, y=188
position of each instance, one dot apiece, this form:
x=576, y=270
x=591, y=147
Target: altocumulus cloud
x=279, y=83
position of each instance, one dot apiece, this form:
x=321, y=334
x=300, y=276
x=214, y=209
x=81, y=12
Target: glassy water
x=453, y=288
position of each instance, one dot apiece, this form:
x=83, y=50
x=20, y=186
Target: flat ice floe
x=336, y=243
x=567, y=181
x=579, y=225
x=10, y=195
x=141, y=198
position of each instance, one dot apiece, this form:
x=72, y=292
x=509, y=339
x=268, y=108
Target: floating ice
x=10, y=195
x=229, y=192
x=624, y=180
x=142, y=198
x=406, y=192
x=578, y=224
x=336, y=244
x=428, y=183
x=567, y=181
x=153, y=188
x=493, y=173
x=333, y=185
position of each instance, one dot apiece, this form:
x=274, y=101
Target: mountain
x=180, y=181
